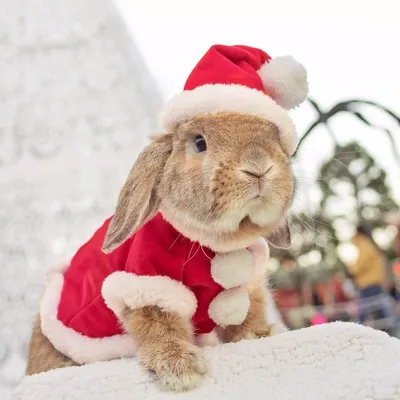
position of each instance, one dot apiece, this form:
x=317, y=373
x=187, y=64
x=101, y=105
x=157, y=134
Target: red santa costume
x=158, y=266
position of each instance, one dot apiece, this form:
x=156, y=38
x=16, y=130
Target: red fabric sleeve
x=157, y=249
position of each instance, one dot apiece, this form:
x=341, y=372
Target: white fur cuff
x=122, y=289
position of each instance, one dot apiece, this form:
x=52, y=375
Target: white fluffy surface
x=327, y=362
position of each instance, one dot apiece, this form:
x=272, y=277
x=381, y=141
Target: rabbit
x=226, y=198
x=182, y=262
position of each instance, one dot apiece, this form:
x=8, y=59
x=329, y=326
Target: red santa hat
x=242, y=79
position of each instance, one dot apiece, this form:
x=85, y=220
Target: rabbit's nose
x=255, y=173
x=256, y=178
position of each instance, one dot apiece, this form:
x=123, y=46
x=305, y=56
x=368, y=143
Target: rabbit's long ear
x=138, y=201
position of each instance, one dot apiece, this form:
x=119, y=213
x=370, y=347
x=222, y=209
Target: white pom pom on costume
x=230, y=307
x=285, y=80
x=232, y=269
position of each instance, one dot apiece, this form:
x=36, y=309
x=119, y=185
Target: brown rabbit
x=185, y=255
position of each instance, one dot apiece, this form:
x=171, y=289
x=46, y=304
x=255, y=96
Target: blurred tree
x=353, y=190
x=358, y=109
x=351, y=165
x=314, y=246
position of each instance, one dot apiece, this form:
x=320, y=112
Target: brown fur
x=138, y=195
x=42, y=354
x=254, y=326
x=224, y=198
x=165, y=343
x=204, y=195
x=209, y=189
x=165, y=346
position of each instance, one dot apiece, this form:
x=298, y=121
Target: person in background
x=338, y=285
x=369, y=274
x=349, y=287
x=396, y=270
x=317, y=317
x=315, y=297
x=390, y=279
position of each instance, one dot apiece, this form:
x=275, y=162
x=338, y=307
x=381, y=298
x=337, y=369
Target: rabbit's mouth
x=261, y=212
x=236, y=228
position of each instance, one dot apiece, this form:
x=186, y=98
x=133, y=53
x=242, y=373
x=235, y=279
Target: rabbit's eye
x=200, y=143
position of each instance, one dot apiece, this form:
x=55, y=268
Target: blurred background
x=81, y=85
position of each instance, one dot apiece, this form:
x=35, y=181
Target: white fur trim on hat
x=286, y=80
x=79, y=348
x=217, y=98
x=232, y=269
x=230, y=307
x=123, y=289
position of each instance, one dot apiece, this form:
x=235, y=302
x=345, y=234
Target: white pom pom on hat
x=286, y=81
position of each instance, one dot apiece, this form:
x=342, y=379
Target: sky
x=350, y=49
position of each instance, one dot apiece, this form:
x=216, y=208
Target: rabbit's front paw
x=184, y=368
x=241, y=333
x=179, y=366
x=263, y=331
